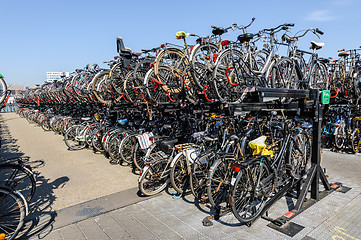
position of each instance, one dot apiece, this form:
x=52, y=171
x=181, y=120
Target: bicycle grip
x=290, y=24
x=319, y=31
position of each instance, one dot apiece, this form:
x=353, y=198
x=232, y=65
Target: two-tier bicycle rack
x=306, y=102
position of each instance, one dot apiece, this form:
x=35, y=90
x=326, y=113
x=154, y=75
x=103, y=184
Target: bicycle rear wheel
x=12, y=213
x=18, y=177
x=355, y=140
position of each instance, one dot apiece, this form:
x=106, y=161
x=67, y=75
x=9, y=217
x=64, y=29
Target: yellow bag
x=259, y=146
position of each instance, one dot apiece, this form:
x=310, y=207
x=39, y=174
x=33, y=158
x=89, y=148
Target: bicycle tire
x=126, y=148
x=199, y=175
x=72, y=138
x=154, y=91
x=226, y=80
x=3, y=90
x=246, y=205
x=355, y=140
x=202, y=60
x=19, y=177
x=318, y=77
x=138, y=157
x=154, y=179
x=12, y=213
x=219, y=176
x=174, y=66
x=179, y=177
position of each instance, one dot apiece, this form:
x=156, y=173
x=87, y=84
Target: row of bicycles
x=210, y=70
x=151, y=111
x=234, y=163
x=341, y=128
x=17, y=188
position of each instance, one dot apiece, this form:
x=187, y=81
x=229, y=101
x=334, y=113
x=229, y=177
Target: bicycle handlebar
x=284, y=27
x=319, y=31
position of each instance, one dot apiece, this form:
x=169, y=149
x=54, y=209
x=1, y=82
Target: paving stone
x=136, y=229
x=92, y=230
x=111, y=227
x=71, y=232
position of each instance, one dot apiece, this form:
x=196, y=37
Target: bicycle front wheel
x=155, y=178
x=75, y=138
x=249, y=194
x=170, y=69
x=12, y=213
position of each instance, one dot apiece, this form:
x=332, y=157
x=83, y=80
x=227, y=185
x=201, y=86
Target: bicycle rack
x=308, y=103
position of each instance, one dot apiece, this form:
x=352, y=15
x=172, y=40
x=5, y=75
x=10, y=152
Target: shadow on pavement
x=41, y=216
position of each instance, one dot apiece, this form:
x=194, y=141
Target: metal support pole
x=316, y=142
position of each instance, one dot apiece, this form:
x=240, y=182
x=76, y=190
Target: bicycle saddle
x=166, y=146
x=343, y=54
x=316, y=45
x=234, y=137
x=218, y=31
x=245, y=37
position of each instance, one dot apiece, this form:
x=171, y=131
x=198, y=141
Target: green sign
x=325, y=96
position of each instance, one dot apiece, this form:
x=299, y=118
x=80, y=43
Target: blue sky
x=40, y=36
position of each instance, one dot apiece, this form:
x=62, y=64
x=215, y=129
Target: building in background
x=14, y=88
x=54, y=76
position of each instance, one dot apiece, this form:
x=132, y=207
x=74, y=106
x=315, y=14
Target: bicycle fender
x=175, y=159
x=143, y=171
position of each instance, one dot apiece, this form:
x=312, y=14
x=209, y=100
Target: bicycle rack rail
x=308, y=103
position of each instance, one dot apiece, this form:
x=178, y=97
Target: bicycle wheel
x=74, y=137
x=227, y=75
x=126, y=148
x=133, y=86
x=100, y=87
x=340, y=136
x=45, y=124
x=249, y=194
x=287, y=75
x=3, y=89
x=138, y=156
x=198, y=180
x=218, y=183
x=318, y=77
x=170, y=69
x=12, y=213
x=153, y=89
x=155, y=178
x=18, y=177
x=299, y=155
x=355, y=140
x=179, y=177
x=114, y=148
x=202, y=60
x=97, y=140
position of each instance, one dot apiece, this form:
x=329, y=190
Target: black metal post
x=316, y=143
